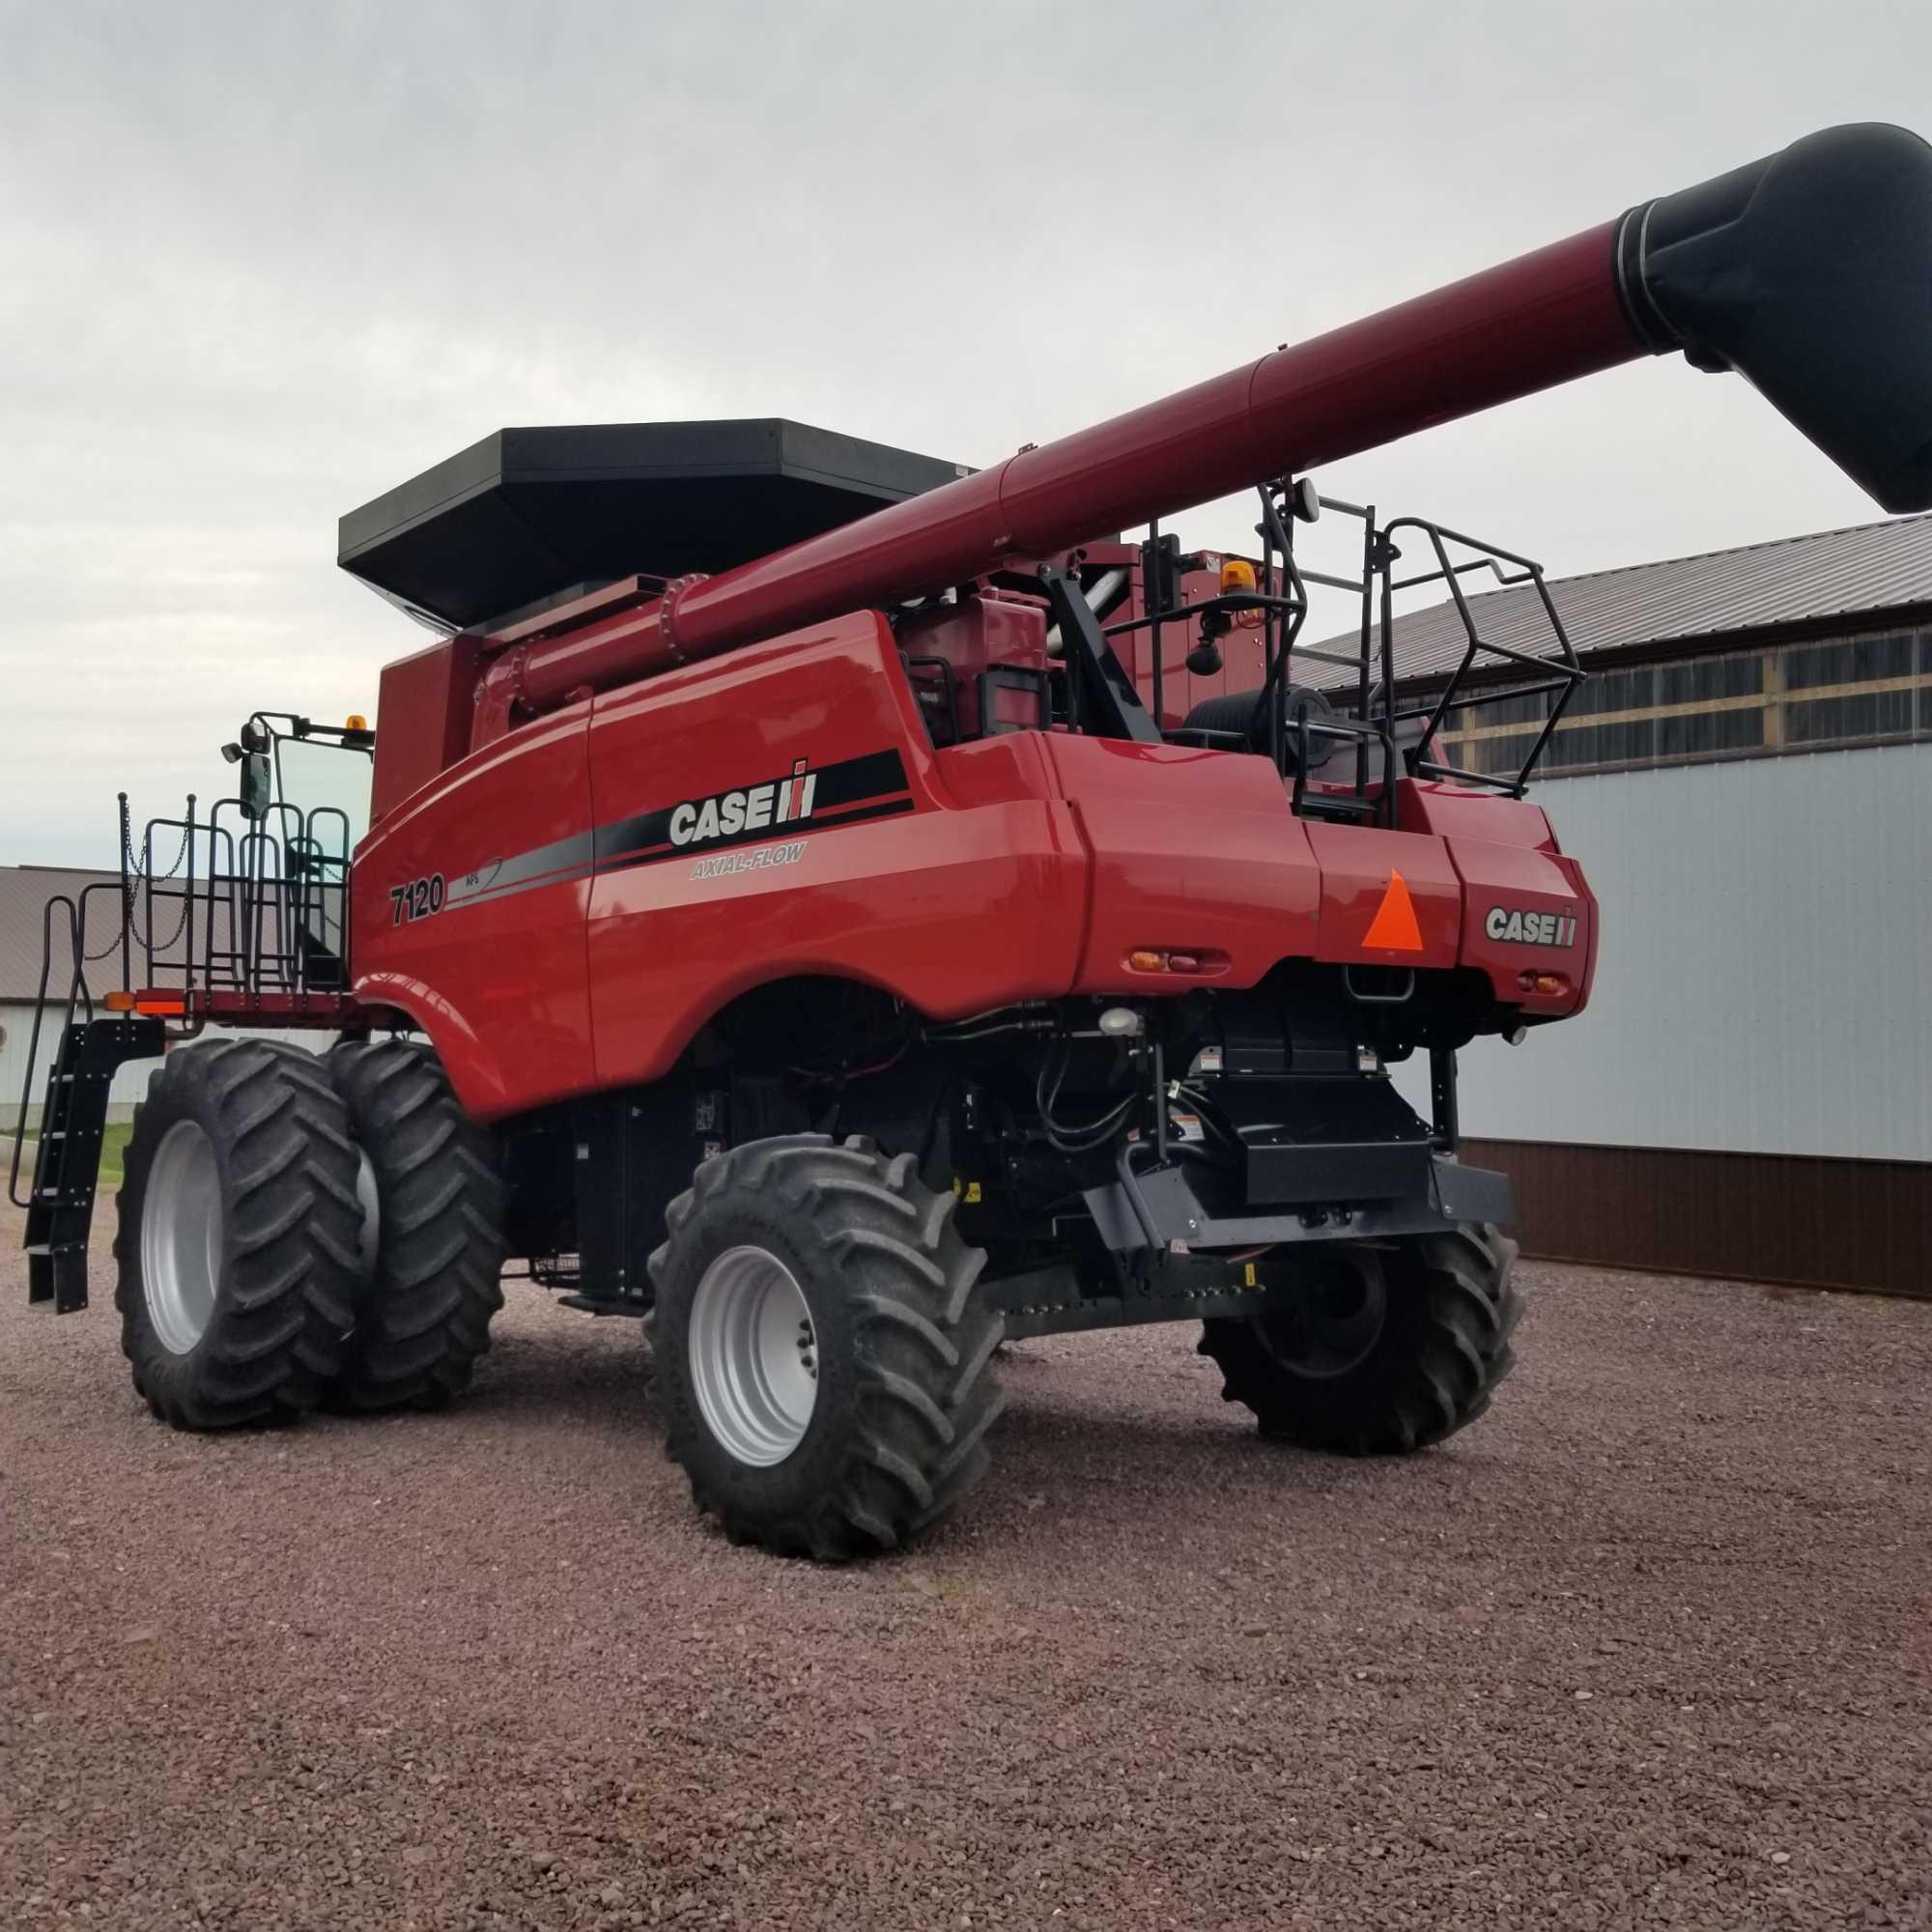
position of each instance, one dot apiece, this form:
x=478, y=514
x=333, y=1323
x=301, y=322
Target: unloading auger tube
x=1808, y=273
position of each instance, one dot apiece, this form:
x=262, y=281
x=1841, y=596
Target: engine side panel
x=777, y=812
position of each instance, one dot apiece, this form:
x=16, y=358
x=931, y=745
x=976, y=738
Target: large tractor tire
x=423, y=1309
x=238, y=1239
x=1391, y=1350
x=823, y=1362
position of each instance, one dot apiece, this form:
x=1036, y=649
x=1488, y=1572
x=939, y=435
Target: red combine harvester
x=954, y=924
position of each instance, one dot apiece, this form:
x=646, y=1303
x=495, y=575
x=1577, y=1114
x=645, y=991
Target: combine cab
x=956, y=923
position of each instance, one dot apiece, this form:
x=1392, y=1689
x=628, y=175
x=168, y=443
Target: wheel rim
x=1335, y=1324
x=182, y=1237
x=753, y=1356
x=368, y=1237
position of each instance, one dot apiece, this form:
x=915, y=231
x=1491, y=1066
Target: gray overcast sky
x=258, y=263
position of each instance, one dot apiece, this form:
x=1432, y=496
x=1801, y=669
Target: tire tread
x=1465, y=1309
x=288, y=1167
x=423, y=1320
x=926, y=1393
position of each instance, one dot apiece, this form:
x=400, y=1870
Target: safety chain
x=131, y=872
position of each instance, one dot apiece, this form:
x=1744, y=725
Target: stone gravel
x=1651, y=1645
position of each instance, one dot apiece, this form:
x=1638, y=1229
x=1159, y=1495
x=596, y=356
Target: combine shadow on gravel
x=578, y=1371
x=1074, y=1446
x=1096, y=1438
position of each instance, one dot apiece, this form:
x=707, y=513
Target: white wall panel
x=131, y=1082
x=1765, y=978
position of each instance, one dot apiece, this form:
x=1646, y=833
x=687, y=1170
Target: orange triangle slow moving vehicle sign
x=1394, y=930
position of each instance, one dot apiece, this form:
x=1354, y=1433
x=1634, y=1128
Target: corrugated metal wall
x=1800, y=1218
x=1765, y=981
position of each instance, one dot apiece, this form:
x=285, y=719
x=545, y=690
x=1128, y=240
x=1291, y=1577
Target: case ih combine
x=853, y=910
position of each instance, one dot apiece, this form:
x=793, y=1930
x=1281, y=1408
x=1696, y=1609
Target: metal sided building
x=1747, y=776
x=26, y=893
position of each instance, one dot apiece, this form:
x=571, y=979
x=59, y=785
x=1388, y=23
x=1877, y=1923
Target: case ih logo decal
x=705, y=821
x=1530, y=929
x=760, y=815
x=873, y=787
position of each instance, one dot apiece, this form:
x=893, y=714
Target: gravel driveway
x=1650, y=1645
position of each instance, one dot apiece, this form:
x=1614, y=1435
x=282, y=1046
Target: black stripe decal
x=847, y=793
x=765, y=834
x=629, y=841
x=871, y=776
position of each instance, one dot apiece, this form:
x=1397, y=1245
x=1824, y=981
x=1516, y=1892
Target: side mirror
x=256, y=788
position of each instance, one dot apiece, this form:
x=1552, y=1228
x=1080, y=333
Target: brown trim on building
x=1809, y=1220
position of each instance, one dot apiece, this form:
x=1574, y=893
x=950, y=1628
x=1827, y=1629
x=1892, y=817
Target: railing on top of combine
x=1301, y=726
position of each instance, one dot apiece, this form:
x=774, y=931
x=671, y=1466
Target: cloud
x=262, y=264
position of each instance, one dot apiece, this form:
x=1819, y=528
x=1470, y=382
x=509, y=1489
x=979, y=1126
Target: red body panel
x=1190, y=850
x=498, y=979
x=955, y=906
x=608, y=878
x=1358, y=867
x=431, y=694
x=1526, y=880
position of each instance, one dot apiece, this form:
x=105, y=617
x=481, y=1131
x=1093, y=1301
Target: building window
x=1863, y=690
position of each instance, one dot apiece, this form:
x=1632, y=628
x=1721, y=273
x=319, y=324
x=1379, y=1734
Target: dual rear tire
x=295, y=1230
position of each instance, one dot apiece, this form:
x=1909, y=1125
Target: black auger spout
x=1811, y=275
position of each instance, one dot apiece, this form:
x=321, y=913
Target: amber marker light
x=1169, y=959
x=155, y=1005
